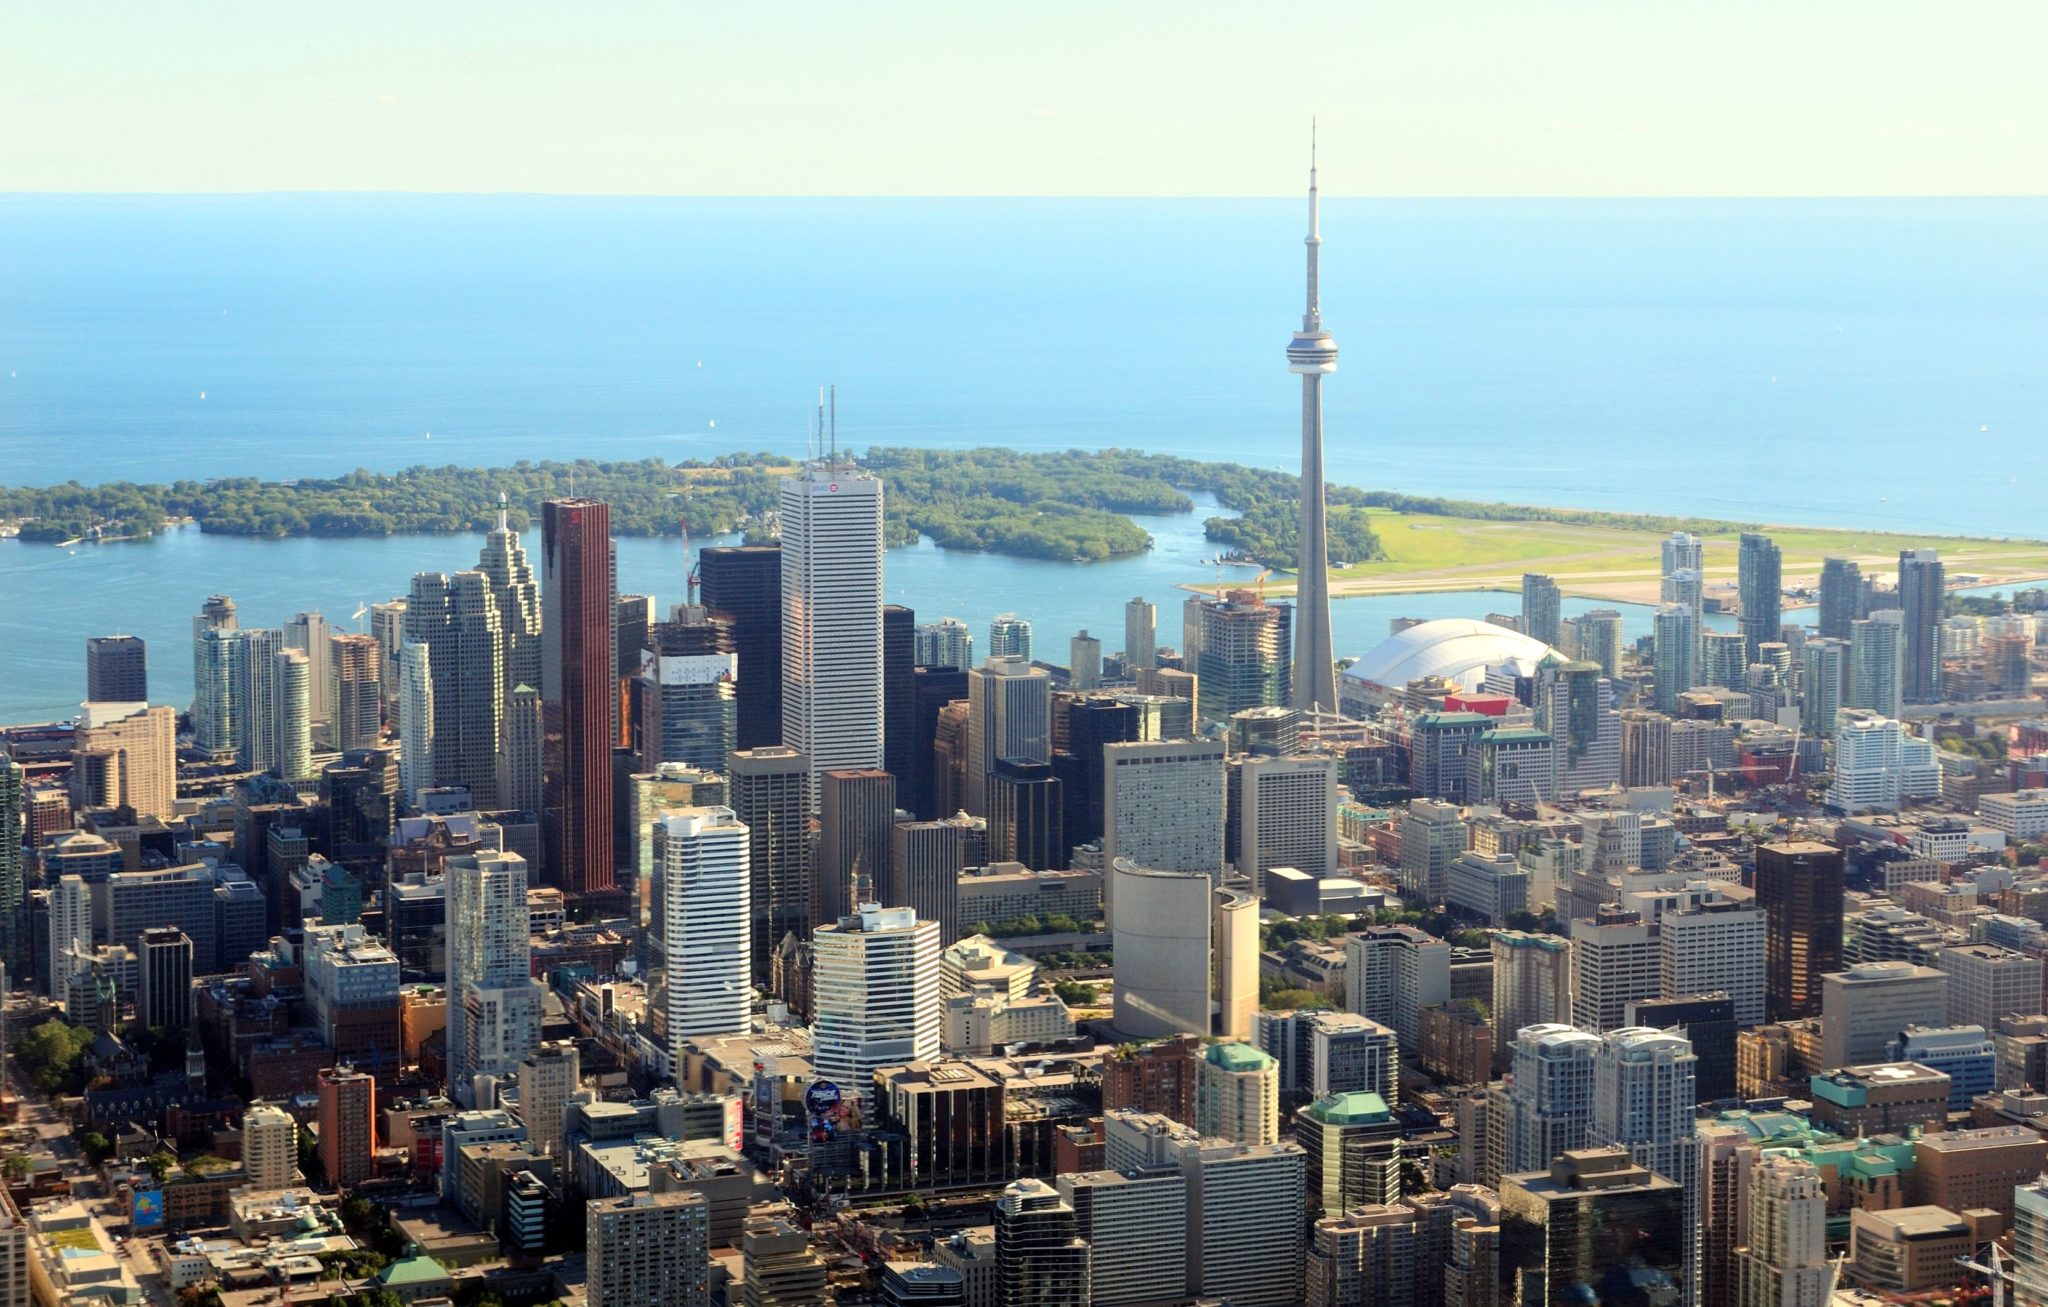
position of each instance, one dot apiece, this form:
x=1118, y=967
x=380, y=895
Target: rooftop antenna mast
x=835, y=426
x=818, y=439
x=501, y=510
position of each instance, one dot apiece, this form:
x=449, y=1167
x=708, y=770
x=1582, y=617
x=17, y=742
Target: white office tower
x=270, y=1147
x=387, y=624
x=292, y=684
x=1532, y=984
x=944, y=643
x=1163, y=807
x=1162, y=962
x=516, y=595
x=310, y=634
x=1877, y=663
x=1391, y=973
x=548, y=1080
x=1879, y=765
x=832, y=617
x=1009, y=715
x=876, y=978
x=1432, y=836
x=1615, y=961
x=1245, y=1206
x=1645, y=1099
x=706, y=923
x=1548, y=1104
x=1009, y=636
x=1135, y=1224
x=1141, y=636
x=415, y=721
x=1677, y=651
x=1786, y=1262
x=213, y=699
x=1715, y=946
x=1287, y=816
x=493, y=1001
x=1084, y=661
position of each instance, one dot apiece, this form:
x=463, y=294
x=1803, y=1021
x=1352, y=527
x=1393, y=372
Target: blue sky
x=1597, y=97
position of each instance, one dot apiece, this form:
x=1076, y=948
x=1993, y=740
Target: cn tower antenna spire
x=1311, y=354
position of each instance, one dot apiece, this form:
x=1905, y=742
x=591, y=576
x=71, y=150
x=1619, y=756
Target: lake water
x=57, y=598
x=1872, y=363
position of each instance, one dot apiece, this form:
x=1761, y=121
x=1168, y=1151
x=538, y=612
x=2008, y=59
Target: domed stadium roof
x=1455, y=648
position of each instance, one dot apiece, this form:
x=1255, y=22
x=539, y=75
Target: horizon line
x=398, y=192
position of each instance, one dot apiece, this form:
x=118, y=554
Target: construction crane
x=1260, y=581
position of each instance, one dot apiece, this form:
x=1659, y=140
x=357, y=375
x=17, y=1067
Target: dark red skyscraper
x=577, y=671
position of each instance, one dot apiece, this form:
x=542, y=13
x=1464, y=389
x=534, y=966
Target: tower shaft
x=1311, y=353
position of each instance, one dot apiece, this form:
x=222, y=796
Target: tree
x=1074, y=993
x=18, y=1167
x=96, y=1146
x=159, y=1165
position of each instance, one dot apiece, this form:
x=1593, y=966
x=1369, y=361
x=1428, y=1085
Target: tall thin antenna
x=818, y=449
x=835, y=425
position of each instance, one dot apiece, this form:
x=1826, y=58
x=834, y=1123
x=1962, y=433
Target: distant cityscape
x=529, y=945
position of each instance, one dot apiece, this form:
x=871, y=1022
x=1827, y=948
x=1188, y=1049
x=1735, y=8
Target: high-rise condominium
x=832, y=616
x=1009, y=636
x=1827, y=669
x=1877, y=663
x=1760, y=590
x=14, y=939
x=1540, y=601
x=1041, y=1259
x=705, y=888
x=1922, y=592
x=577, y=692
x=1141, y=636
x=944, y=643
x=493, y=1004
x=116, y=669
x=1841, y=597
x=355, y=690
x=213, y=696
x=310, y=635
x=1677, y=640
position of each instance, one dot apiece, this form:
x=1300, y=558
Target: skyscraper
x=516, y=596
x=1575, y=704
x=126, y=755
x=1645, y=1098
x=856, y=812
x=705, y=888
x=1163, y=805
x=1760, y=590
x=452, y=623
x=577, y=693
x=832, y=616
x=1540, y=601
x=1681, y=551
x=1141, y=636
x=1092, y=722
x=1027, y=817
x=944, y=643
x=1786, y=1262
x=684, y=691
x=1799, y=887
x=649, y=1249
x=1009, y=636
x=116, y=669
x=1677, y=654
x=213, y=696
x=291, y=698
x=1922, y=593
x=876, y=975
x=356, y=692
x=493, y=1004
x=899, y=689
x=1242, y=656
x=1084, y=661
x=1548, y=1104
x=15, y=944
x=252, y=687
x=163, y=995
x=1877, y=663
x=1287, y=817
x=310, y=635
x=744, y=582
x=1041, y=1258
x=348, y=1125
x=1009, y=715
x=925, y=862
x=1531, y=982
x=768, y=797
x=1841, y=597
x=1820, y=693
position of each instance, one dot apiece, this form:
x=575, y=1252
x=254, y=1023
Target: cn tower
x=1311, y=354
